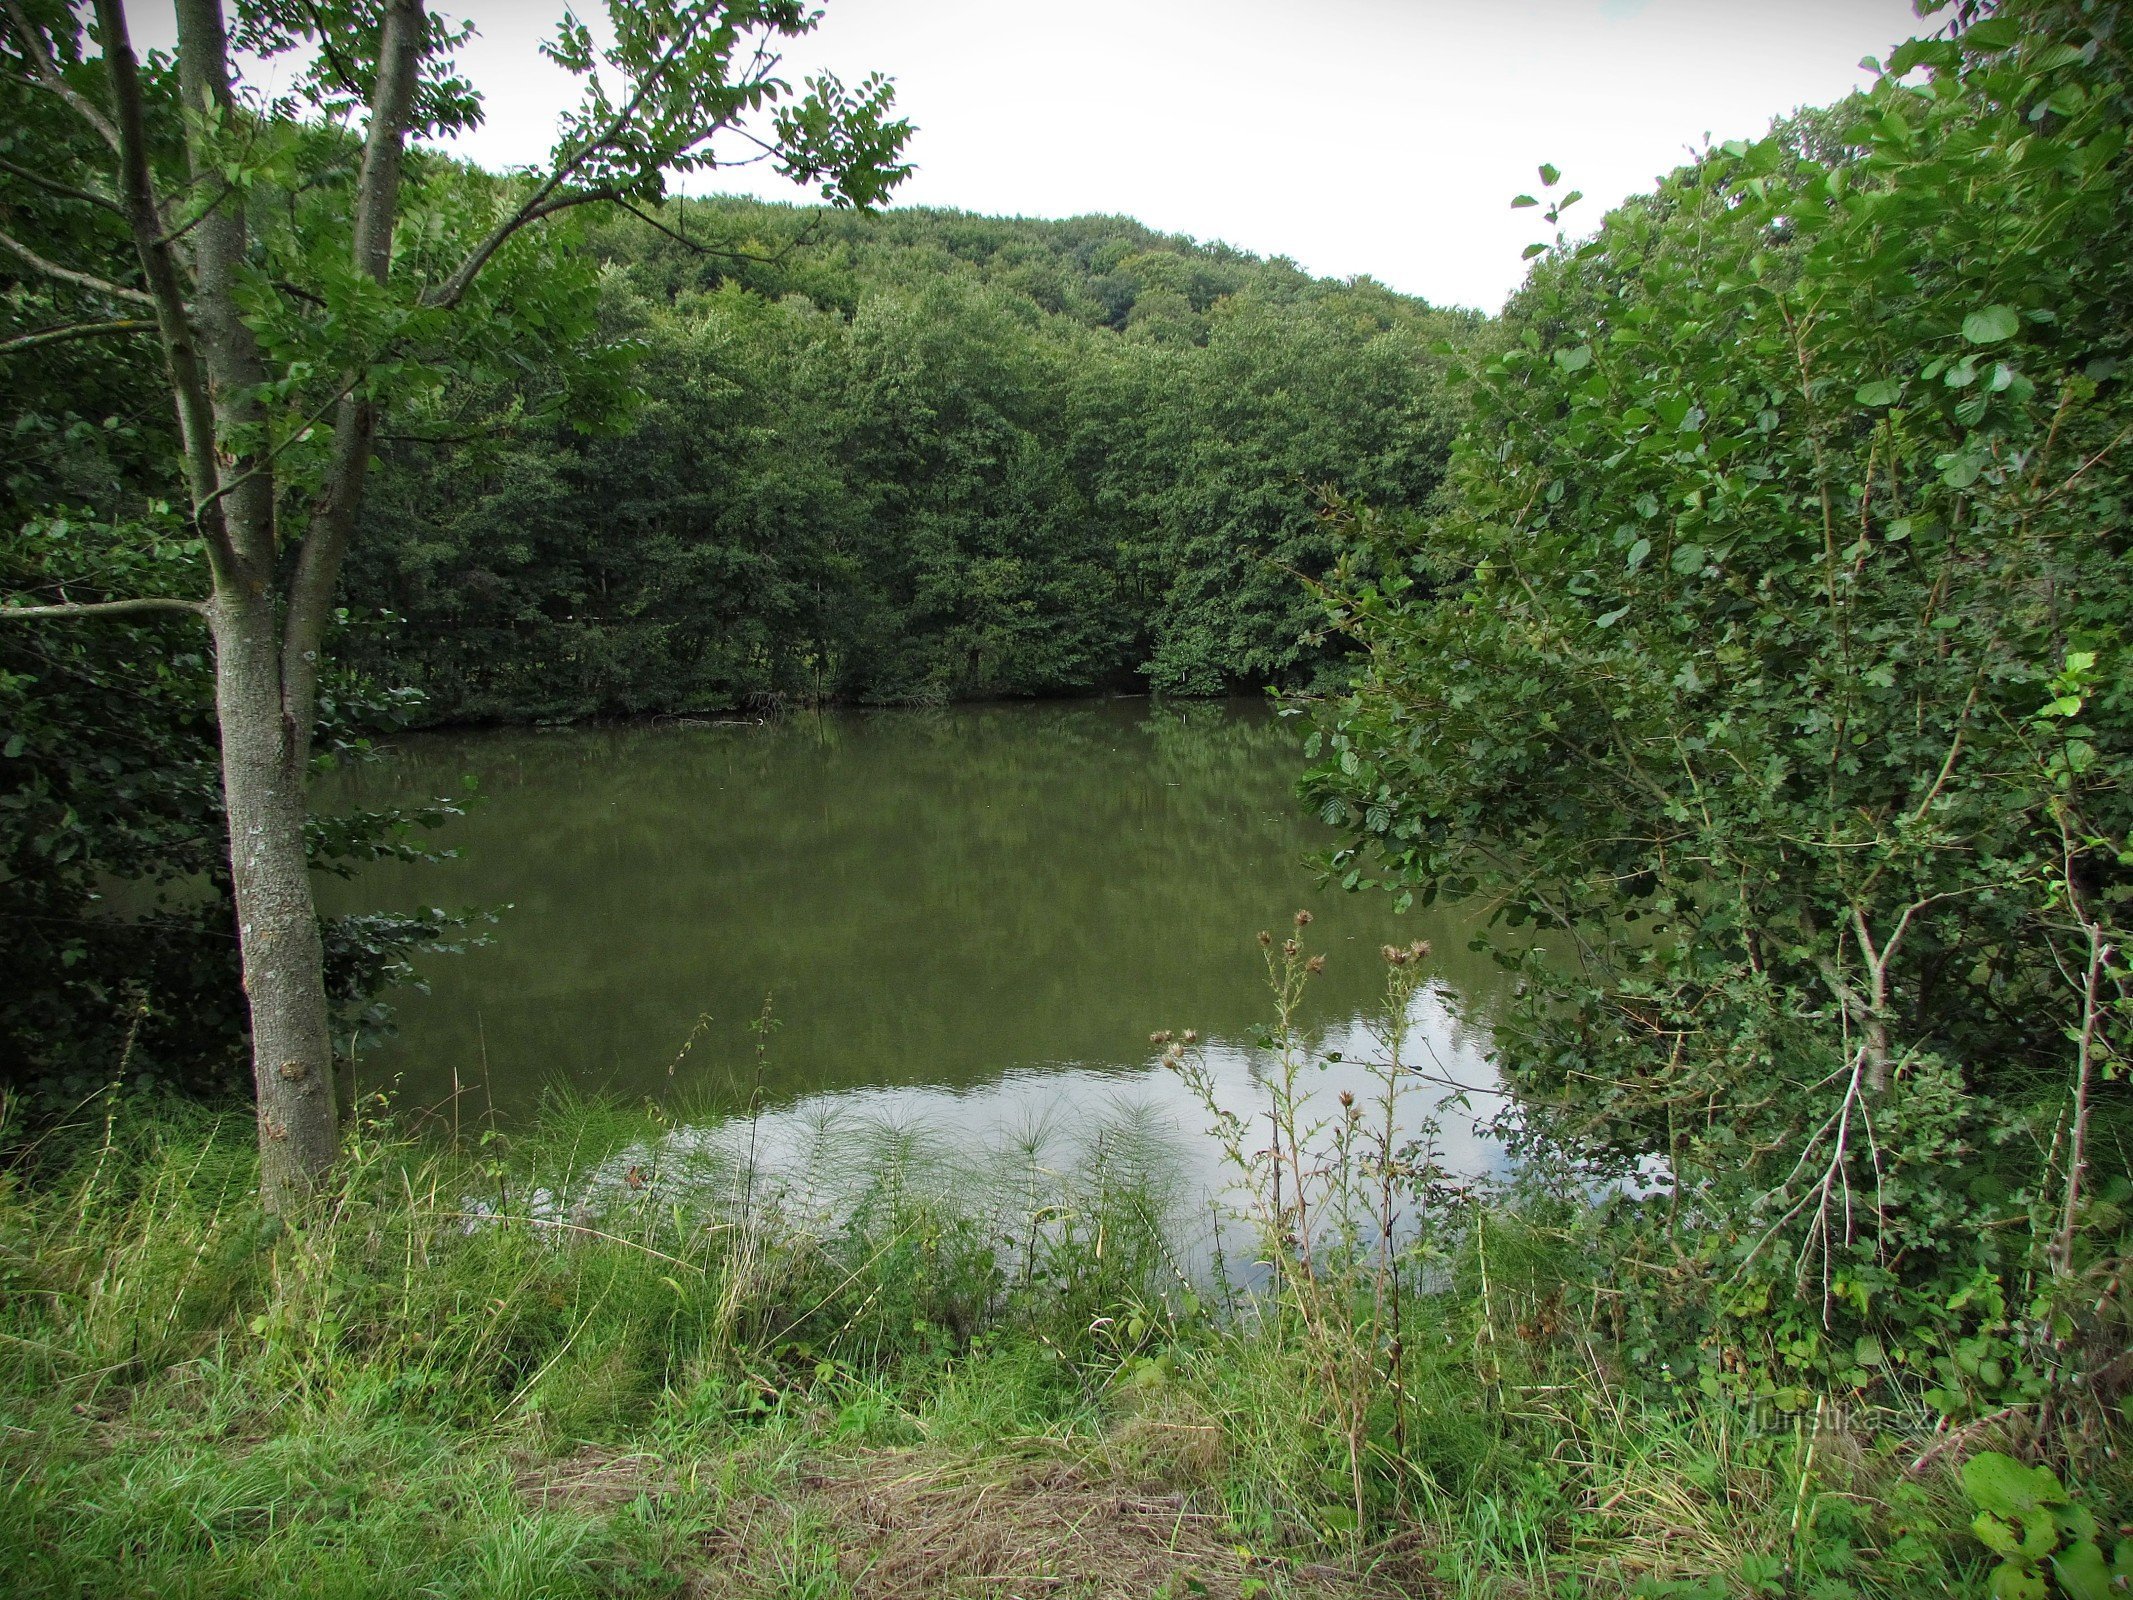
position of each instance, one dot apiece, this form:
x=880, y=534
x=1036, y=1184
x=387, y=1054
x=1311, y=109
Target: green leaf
x=1883, y=392
x=2081, y=1572
x=1575, y=359
x=1994, y=1534
x=1523, y=201
x=1550, y=175
x=1993, y=34
x=1637, y=553
x=2000, y=1484
x=1991, y=325
x=1609, y=619
x=1532, y=250
x=1688, y=559
x=2040, y=1531
x=2010, y=1582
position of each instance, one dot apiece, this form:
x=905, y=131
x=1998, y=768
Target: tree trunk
x=264, y=761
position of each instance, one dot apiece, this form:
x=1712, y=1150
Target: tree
x=307, y=270
x=1768, y=653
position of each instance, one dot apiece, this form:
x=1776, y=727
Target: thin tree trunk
x=265, y=737
x=263, y=776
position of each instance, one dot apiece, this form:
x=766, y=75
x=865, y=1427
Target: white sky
x=1356, y=136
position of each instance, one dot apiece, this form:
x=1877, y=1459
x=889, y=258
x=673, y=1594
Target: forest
x=958, y=457
x=1710, y=673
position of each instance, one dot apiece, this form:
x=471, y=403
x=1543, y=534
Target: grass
x=600, y=1358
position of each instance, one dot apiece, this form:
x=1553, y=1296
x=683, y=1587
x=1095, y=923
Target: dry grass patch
x=594, y=1481
x=898, y=1525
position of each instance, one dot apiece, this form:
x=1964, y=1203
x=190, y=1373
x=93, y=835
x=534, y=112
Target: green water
x=963, y=918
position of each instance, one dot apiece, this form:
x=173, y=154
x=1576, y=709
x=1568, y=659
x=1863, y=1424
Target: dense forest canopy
x=912, y=457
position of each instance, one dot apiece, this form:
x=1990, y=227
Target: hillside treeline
x=911, y=457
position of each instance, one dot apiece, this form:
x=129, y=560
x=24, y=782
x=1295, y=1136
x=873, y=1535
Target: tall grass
x=610, y=1354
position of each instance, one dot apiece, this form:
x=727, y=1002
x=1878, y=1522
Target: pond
x=965, y=922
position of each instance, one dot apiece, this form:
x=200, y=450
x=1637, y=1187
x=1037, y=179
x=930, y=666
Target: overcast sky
x=1355, y=136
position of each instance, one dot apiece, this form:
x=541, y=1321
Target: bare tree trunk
x=263, y=778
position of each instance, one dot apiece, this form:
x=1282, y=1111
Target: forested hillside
x=906, y=457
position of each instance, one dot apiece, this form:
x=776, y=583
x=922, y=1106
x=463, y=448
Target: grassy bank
x=601, y=1358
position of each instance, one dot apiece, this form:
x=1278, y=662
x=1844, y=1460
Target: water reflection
x=970, y=920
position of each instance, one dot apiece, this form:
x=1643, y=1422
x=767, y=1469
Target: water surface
x=967, y=920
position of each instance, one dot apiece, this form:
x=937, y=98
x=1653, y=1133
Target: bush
x=1765, y=664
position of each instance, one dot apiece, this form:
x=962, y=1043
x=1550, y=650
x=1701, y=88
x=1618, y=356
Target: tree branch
x=188, y=378
x=377, y=208
x=700, y=248
x=231, y=370
x=537, y=204
x=341, y=70
x=180, y=230
x=81, y=280
x=49, y=75
x=64, y=191
x=256, y=468
x=2075, y=476
x=106, y=608
x=76, y=330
